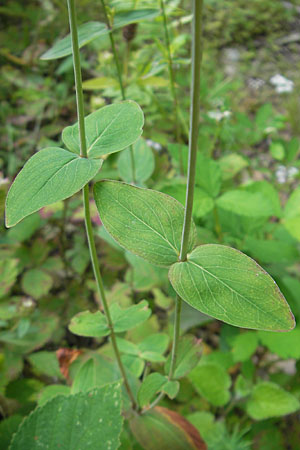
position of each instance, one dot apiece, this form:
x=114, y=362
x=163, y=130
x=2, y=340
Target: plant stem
x=120, y=77
x=194, y=123
x=172, y=80
x=193, y=138
x=88, y=222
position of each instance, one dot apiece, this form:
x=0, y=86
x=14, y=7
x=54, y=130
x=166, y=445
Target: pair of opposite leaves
x=217, y=280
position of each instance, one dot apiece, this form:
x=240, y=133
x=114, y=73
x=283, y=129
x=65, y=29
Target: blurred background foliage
x=247, y=196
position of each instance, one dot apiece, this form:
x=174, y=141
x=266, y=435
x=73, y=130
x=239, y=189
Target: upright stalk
x=120, y=77
x=88, y=222
x=172, y=80
x=193, y=138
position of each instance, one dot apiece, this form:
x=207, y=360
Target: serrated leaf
x=87, y=32
x=84, y=421
x=270, y=400
x=145, y=222
x=95, y=324
x=226, y=284
x=143, y=163
x=108, y=130
x=36, y=283
x=188, y=356
x=50, y=175
x=212, y=382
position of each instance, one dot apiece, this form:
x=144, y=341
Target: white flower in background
x=284, y=174
x=282, y=84
x=218, y=115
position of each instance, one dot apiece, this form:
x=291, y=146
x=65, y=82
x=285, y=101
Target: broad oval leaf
x=228, y=285
x=270, y=400
x=145, y=222
x=108, y=130
x=244, y=203
x=84, y=421
x=50, y=175
x=86, y=33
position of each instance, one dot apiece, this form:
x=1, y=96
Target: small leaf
x=95, y=324
x=151, y=386
x=244, y=345
x=87, y=32
x=292, y=214
x=99, y=83
x=36, y=283
x=108, y=130
x=270, y=400
x=171, y=389
x=50, y=175
x=143, y=163
x=51, y=391
x=162, y=428
x=157, y=343
x=145, y=222
x=86, y=377
x=84, y=421
x=188, y=356
x=212, y=382
x=228, y=285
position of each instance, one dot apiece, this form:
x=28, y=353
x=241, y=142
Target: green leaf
x=86, y=377
x=246, y=204
x=84, y=421
x=292, y=214
x=231, y=165
x=270, y=400
x=208, y=175
x=244, y=345
x=212, y=382
x=108, y=130
x=8, y=275
x=50, y=175
x=7, y=428
x=188, y=356
x=123, y=18
x=284, y=345
x=95, y=325
x=156, y=343
x=51, y=391
x=150, y=386
x=153, y=384
x=226, y=284
x=100, y=83
x=36, y=283
x=45, y=363
x=143, y=163
x=87, y=32
x=145, y=222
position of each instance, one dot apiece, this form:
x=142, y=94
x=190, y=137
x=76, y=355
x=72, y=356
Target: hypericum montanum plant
x=217, y=280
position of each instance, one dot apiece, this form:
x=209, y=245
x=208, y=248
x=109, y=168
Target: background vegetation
x=247, y=196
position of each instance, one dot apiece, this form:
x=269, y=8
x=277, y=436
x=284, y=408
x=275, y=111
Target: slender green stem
x=88, y=222
x=120, y=77
x=193, y=138
x=172, y=80
x=194, y=123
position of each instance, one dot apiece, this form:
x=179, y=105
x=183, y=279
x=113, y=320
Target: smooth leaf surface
x=284, y=345
x=86, y=33
x=212, y=382
x=143, y=163
x=84, y=421
x=50, y=175
x=246, y=203
x=152, y=384
x=108, y=130
x=145, y=222
x=228, y=285
x=95, y=325
x=270, y=400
